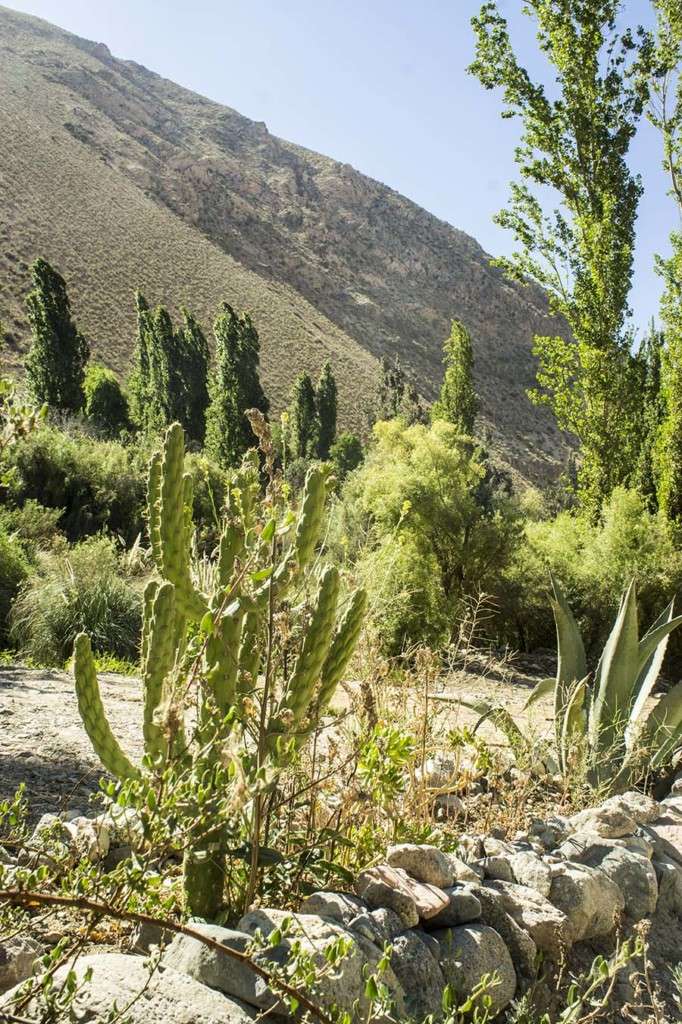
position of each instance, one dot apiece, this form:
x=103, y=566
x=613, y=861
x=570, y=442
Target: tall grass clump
x=14, y=568
x=83, y=588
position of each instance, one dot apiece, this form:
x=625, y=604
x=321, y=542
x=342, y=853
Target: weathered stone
x=220, y=970
x=123, y=824
x=519, y=943
x=378, y=895
x=336, y=906
x=344, y=985
x=496, y=847
x=419, y=974
x=89, y=837
x=639, y=806
x=669, y=877
x=50, y=843
x=576, y=844
x=379, y=926
x=371, y=886
x=463, y=907
x=665, y=835
x=17, y=956
x=470, y=952
x=547, y=926
x=631, y=872
x=425, y=863
x=464, y=872
x=168, y=995
x=528, y=869
x=618, y=816
x=498, y=867
x=470, y=848
x=588, y=898
x=448, y=806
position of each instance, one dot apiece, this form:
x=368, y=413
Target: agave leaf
x=661, y=630
x=500, y=718
x=574, y=722
x=650, y=669
x=662, y=730
x=571, y=661
x=616, y=677
x=542, y=689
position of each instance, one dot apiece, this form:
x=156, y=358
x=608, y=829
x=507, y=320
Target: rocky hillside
x=125, y=179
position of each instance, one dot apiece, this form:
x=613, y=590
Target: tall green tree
x=652, y=407
x=234, y=387
x=575, y=144
x=303, y=428
x=396, y=396
x=194, y=359
x=55, y=364
x=326, y=402
x=457, y=402
x=666, y=114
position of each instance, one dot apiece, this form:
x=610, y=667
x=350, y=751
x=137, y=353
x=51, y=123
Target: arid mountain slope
x=125, y=179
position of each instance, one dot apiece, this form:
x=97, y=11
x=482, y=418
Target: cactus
x=231, y=654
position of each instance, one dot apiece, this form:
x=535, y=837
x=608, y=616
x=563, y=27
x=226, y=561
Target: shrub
x=106, y=406
x=97, y=484
x=345, y=455
x=80, y=589
x=35, y=526
x=14, y=569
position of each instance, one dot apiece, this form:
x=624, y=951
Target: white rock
x=530, y=870
x=17, y=956
x=464, y=872
x=423, y=862
x=90, y=837
x=472, y=951
x=588, y=898
x=547, y=926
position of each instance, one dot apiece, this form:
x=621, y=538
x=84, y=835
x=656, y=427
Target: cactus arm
x=93, y=715
x=147, y=604
x=315, y=647
x=230, y=548
x=153, y=507
x=309, y=525
x=173, y=526
x=342, y=647
x=249, y=653
x=161, y=647
x=222, y=656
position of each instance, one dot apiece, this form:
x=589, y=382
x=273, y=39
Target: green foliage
x=582, y=255
x=14, y=569
x=55, y=365
x=83, y=587
x=234, y=388
x=326, y=405
x=212, y=627
x=346, y=454
x=303, y=437
x=34, y=526
x=395, y=395
x=106, y=406
x=457, y=402
x=427, y=485
x=649, y=359
x=193, y=365
x=95, y=483
x=383, y=764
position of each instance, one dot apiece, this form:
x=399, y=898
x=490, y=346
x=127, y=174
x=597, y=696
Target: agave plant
x=605, y=716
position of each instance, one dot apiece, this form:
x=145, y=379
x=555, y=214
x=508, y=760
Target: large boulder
x=423, y=862
x=336, y=906
x=547, y=926
x=142, y=997
x=530, y=870
x=464, y=906
x=17, y=956
x=633, y=873
x=591, y=901
x=342, y=985
x=472, y=952
x=419, y=974
x=517, y=940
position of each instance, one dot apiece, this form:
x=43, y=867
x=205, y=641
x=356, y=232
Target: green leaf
x=542, y=689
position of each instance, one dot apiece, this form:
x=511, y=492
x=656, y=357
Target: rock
x=219, y=970
x=124, y=826
x=448, y=806
x=496, y=847
x=547, y=926
x=375, y=884
x=665, y=835
x=470, y=848
x=168, y=995
x=419, y=974
x=576, y=844
x=472, y=951
x=549, y=833
x=676, y=788
x=439, y=772
x=498, y=867
x=379, y=926
x=644, y=809
x=588, y=898
x=425, y=863
x=463, y=907
x=632, y=872
x=519, y=943
x=149, y=934
x=528, y=869
x=17, y=956
x=669, y=877
x=90, y=838
x=343, y=984
x=336, y=906
x=464, y=872
x=50, y=843
x=618, y=816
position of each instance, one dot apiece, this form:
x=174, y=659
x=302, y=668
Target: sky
x=379, y=84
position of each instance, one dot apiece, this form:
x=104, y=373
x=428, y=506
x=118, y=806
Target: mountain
x=124, y=179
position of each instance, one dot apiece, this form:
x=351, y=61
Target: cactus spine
x=232, y=624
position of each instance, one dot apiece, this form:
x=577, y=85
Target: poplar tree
x=457, y=403
x=303, y=426
x=575, y=144
x=55, y=364
x=194, y=356
x=234, y=387
x=326, y=402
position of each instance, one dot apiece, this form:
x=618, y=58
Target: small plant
x=219, y=643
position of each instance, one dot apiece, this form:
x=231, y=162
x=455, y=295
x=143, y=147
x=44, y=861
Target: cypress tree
x=304, y=428
x=326, y=401
x=55, y=365
x=457, y=403
x=390, y=390
x=648, y=369
x=235, y=387
x=138, y=381
x=194, y=355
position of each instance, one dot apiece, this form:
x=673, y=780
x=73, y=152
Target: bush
x=81, y=589
x=210, y=489
x=34, y=525
x=97, y=484
x=594, y=563
x=106, y=406
x=345, y=455
x=14, y=569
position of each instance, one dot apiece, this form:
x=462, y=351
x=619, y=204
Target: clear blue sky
x=379, y=84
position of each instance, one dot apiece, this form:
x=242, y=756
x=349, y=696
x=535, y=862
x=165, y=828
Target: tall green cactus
x=232, y=656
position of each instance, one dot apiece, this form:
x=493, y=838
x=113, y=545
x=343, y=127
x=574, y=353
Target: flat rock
x=470, y=952
x=167, y=995
x=336, y=906
x=590, y=900
x=372, y=886
x=464, y=906
x=425, y=863
x=633, y=873
x=464, y=872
